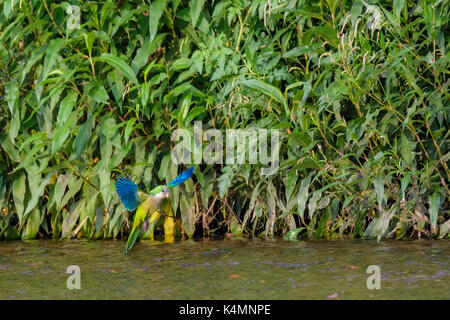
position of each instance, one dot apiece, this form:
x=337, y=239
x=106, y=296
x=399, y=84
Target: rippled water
x=225, y=269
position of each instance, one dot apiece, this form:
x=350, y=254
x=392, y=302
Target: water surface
x=225, y=269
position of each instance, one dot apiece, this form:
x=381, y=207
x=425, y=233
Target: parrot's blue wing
x=182, y=177
x=128, y=193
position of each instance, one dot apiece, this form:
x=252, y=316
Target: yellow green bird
x=146, y=203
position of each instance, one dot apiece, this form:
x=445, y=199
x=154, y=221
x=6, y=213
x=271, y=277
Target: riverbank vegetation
x=357, y=89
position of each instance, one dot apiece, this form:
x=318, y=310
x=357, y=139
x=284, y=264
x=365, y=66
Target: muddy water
x=225, y=269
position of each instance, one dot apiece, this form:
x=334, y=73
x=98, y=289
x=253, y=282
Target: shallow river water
x=236, y=268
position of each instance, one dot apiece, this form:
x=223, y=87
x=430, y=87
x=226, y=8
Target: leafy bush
x=358, y=90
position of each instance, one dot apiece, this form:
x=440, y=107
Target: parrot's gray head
x=165, y=191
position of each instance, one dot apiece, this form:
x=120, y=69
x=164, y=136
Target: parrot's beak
x=167, y=195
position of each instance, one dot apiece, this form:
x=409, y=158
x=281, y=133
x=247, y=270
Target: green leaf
x=91, y=207
x=82, y=138
x=70, y=220
x=118, y=64
x=187, y=212
x=30, y=156
x=327, y=33
x=35, y=56
x=303, y=193
x=378, y=227
x=406, y=149
x=196, y=7
x=50, y=55
x=404, y=184
x=182, y=88
x=7, y=8
x=290, y=181
x=444, y=229
x=112, y=223
x=193, y=113
x=163, y=169
x=60, y=135
x=225, y=180
x=269, y=90
x=107, y=188
x=66, y=108
x=293, y=234
x=180, y=64
x=312, y=204
x=98, y=93
x=37, y=194
x=129, y=129
x=8, y=146
x=111, y=130
x=99, y=218
x=434, y=202
x=144, y=52
x=60, y=188
x=297, y=51
x=19, y=189
x=156, y=10
x=14, y=125
x=12, y=94
x=379, y=188
x=398, y=7
x=11, y=233
x=145, y=92
x=40, y=136
x=74, y=186
x=33, y=223
x=89, y=39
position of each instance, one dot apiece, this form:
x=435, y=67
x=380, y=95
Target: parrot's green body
x=148, y=205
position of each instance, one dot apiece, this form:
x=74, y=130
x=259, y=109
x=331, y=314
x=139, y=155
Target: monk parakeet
x=131, y=197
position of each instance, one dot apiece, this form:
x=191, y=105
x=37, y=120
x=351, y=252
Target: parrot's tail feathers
x=182, y=177
x=131, y=240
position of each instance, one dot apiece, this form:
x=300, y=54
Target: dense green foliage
x=358, y=90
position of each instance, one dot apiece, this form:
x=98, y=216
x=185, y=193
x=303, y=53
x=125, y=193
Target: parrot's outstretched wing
x=182, y=177
x=128, y=193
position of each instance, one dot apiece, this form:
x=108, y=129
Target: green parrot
x=147, y=203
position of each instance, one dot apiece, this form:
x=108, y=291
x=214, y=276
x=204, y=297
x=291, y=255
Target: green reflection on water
x=225, y=269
